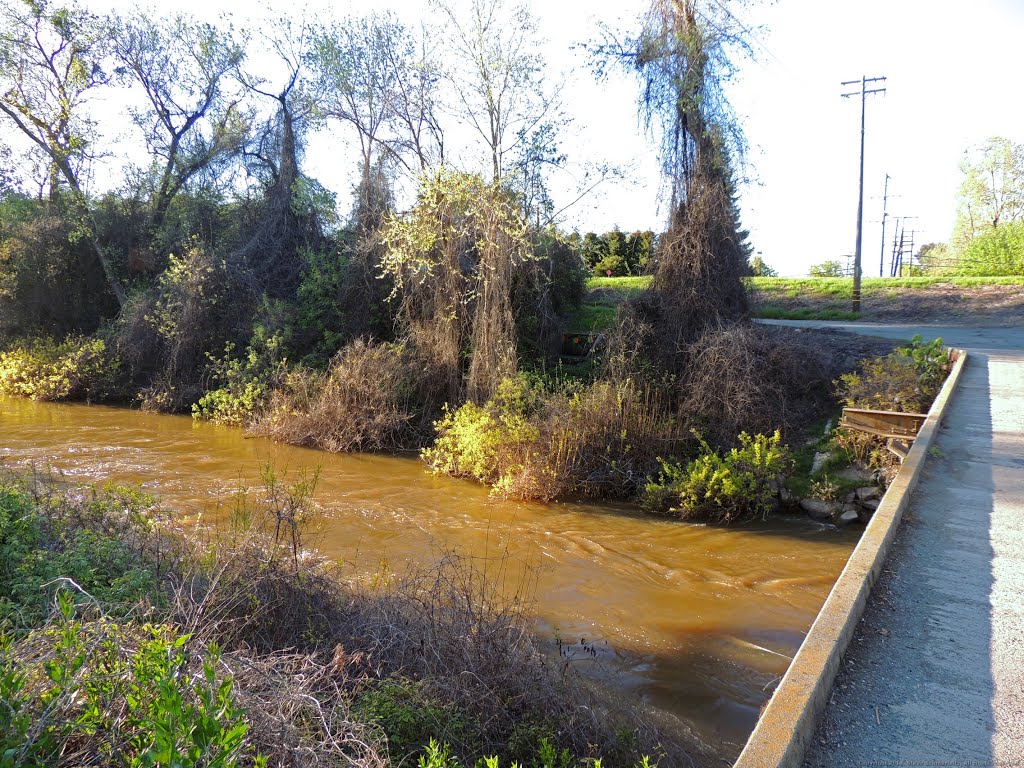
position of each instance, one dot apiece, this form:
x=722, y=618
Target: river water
x=698, y=621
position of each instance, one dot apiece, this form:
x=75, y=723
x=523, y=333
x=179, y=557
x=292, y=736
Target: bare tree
x=354, y=62
x=271, y=250
x=497, y=73
x=191, y=123
x=51, y=60
x=415, y=102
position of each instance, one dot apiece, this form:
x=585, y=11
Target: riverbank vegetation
x=223, y=281
x=128, y=642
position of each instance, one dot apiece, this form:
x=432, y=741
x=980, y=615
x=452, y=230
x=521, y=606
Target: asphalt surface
x=935, y=672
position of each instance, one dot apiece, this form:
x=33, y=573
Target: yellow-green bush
x=101, y=693
x=722, y=488
x=246, y=383
x=596, y=440
x=43, y=369
x=488, y=442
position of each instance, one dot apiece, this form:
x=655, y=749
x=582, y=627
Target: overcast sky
x=953, y=72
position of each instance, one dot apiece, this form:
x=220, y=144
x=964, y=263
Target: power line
x=860, y=200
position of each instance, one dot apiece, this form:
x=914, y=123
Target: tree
x=681, y=57
x=497, y=74
x=51, y=61
x=191, y=124
x=759, y=268
x=992, y=191
x=934, y=258
x=830, y=268
x=272, y=249
x=453, y=259
x=356, y=64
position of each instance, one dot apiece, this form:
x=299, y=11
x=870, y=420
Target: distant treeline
x=615, y=253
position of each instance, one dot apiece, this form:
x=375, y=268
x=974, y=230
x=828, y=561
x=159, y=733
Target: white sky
x=953, y=72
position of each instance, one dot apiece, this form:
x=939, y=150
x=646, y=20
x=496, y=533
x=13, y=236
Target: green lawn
x=842, y=286
x=834, y=285
x=592, y=317
x=620, y=283
x=834, y=290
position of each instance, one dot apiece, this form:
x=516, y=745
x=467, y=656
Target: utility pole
x=863, y=93
x=885, y=207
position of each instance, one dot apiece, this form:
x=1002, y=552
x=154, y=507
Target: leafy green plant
x=101, y=693
x=246, y=383
x=486, y=442
x=438, y=755
x=830, y=268
x=997, y=251
x=44, y=369
x=44, y=543
x=930, y=360
x=722, y=488
x=906, y=380
x=407, y=715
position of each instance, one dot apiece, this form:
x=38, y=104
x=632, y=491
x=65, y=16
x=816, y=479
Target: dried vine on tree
x=681, y=59
x=452, y=259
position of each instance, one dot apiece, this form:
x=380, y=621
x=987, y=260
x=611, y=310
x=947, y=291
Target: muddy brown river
x=698, y=621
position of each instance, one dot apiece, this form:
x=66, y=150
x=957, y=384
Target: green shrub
x=600, y=439
x=45, y=541
x=997, y=251
x=486, y=442
x=907, y=380
x=44, y=369
x=831, y=268
x=246, y=383
x=722, y=488
x=101, y=693
x=438, y=755
x=407, y=715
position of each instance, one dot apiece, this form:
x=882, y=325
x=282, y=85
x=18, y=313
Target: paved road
x=935, y=672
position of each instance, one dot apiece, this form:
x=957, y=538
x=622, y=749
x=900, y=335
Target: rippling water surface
x=698, y=621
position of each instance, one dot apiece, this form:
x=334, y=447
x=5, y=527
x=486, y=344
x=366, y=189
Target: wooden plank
x=888, y=424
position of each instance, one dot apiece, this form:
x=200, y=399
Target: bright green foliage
x=478, y=442
x=320, y=307
x=831, y=268
x=44, y=369
x=115, y=695
x=996, y=251
x=408, y=715
x=40, y=545
x=991, y=194
x=438, y=755
x=930, y=360
x=722, y=488
x=246, y=383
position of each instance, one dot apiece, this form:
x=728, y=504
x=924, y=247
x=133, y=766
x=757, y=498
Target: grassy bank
x=125, y=642
x=770, y=294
